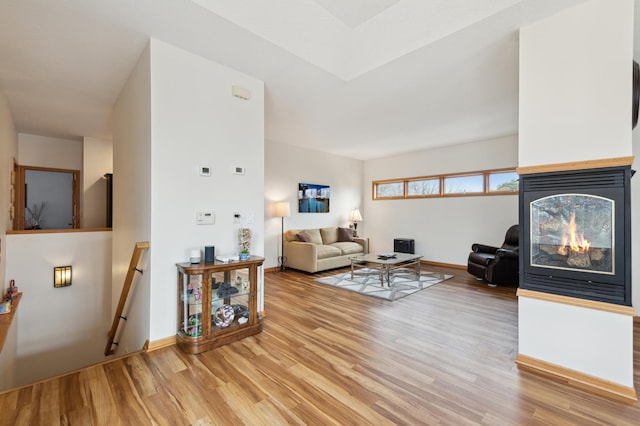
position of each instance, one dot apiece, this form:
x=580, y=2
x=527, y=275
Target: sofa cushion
x=329, y=235
x=325, y=252
x=304, y=237
x=345, y=234
x=292, y=235
x=315, y=235
x=346, y=247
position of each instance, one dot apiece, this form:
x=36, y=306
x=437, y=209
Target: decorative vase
x=244, y=242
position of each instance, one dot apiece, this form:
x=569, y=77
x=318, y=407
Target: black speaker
x=209, y=253
x=404, y=245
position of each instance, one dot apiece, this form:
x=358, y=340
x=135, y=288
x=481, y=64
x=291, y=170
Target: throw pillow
x=304, y=237
x=314, y=233
x=345, y=234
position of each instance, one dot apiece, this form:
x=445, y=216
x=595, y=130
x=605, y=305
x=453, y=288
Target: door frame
x=20, y=195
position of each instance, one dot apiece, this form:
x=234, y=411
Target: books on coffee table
x=386, y=256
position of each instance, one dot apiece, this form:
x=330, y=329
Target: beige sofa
x=323, y=252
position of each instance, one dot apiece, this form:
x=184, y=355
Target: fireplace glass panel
x=573, y=232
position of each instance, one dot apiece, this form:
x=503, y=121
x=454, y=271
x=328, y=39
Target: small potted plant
x=244, y=254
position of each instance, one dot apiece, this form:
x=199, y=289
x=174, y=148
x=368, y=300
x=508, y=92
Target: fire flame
x=571, y=240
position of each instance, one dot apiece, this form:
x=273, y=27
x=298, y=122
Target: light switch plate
x=205, y=218
x=204, y=171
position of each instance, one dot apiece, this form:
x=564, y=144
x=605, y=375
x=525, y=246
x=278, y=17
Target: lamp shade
x=282, y=209
x=355, y=215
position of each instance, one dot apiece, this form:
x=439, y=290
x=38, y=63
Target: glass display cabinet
x=217, y=303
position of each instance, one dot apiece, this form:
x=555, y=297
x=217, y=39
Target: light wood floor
x=444, y=355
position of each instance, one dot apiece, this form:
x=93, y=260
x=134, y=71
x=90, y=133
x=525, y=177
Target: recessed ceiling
x=354, y=12
x=359, y=78
x=312, y=32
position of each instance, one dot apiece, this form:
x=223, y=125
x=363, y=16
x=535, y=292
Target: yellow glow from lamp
x=61, y=276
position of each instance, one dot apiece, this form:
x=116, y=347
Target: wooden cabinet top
x=198, y=268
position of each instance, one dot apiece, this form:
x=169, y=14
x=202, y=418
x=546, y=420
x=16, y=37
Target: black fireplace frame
x=611, y=182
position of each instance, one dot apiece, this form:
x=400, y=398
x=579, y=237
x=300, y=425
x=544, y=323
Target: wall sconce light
x=61, y=276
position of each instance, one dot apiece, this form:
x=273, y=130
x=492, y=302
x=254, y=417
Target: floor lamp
x=282, y=210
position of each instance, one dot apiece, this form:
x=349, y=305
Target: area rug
x=402, y=285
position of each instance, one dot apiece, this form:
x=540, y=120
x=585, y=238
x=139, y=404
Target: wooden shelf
x=6, y=320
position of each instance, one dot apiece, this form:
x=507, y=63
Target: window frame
x=441, y=178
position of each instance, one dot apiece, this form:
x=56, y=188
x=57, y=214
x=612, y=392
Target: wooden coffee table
x=402, y=263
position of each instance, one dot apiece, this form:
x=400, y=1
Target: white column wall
x=196, y=122
x=575, y=84
x=132, y=199
x=8, y=152
x=575, y=93
x=565, y=335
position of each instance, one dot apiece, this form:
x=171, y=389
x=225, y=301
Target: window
x=464, y=184
x=488, y=182
x=503, y=182
x=423, y=187
x=390, y=190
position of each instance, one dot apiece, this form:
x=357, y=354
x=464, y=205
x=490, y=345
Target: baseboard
x=272, y=269
x=159, y=344
x=443, y=265
x=578, y=379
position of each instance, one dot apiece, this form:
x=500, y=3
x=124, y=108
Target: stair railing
x=124, y=295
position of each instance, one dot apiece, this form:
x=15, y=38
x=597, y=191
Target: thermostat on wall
x=204, y=171
x=205, y=218
x=238, y=170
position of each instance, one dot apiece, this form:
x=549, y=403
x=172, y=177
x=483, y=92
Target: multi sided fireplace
x=575, y=234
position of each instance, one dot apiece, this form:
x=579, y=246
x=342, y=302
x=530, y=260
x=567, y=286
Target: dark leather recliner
x=496, y=265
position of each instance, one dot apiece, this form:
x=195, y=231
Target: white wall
x=575, y=92
x=132, y=198
x=285, y=167
x=43, y=151
x=8, y=152
x=443, y=228
x=97, y=159
x=575, y=84
x=196, y=121
x=61, y=329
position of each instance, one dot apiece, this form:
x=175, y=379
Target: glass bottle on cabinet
x=217, y=303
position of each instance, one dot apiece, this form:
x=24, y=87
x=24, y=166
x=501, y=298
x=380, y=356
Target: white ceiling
x=354, y=12
x=359, y=78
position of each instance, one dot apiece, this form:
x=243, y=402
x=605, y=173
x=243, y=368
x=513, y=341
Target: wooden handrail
x=133, y=267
